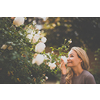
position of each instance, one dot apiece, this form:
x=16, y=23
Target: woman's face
x=73, y=60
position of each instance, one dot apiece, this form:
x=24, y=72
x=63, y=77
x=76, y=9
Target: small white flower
x=36, y=38
x=44, y=39
x=32, y=33
x=38, y=60
x=18, y=21
x=4, y=46
x=52, y=52
x=29, y=36
x=64, y=58
x=40, y=47
x=70, y=41
x=34, y=22
x=46, y=77
x=52, y=65
x=29, y=30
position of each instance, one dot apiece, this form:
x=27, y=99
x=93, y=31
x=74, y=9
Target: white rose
x=29, y=36
x=40, y=47
x=29, y=30
x=52, y=65
x=33, y=61
x=34, y=22
x=64, y=58
x=4, y=46
x=18, y=21
x=36, y=38
x=38, y=60
x=32, y=33
x=44, y=39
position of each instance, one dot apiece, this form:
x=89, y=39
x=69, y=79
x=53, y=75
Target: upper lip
x=68, y=62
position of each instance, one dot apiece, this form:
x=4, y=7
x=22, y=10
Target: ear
x=80, y=60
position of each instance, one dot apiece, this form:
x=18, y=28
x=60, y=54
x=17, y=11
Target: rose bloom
x=29, y=30
x=38, y=60
x=4, y=46
x=18, y=21
x=40, y=47
x=36, y=38
x=29, y=36
x=44, y=39
x=64, y=58
x=34, y=22
x=52, y=65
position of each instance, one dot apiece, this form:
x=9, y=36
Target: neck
x=77, y=70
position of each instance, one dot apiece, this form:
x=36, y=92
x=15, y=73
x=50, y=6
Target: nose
x=68, y=58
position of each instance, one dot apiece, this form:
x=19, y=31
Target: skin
x=74, y=62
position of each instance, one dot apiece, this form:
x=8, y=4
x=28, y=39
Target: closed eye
x=70, y=56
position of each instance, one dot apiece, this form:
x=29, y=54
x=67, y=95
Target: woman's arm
x=63, y=72
x=63, y=80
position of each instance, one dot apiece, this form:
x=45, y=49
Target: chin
x=69, y=66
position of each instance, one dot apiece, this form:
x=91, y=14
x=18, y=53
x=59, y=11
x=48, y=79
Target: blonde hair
x=85, y=63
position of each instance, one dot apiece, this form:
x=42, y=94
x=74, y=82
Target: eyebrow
x=71, y=54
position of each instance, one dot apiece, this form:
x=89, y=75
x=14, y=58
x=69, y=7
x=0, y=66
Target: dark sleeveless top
x=84, y=78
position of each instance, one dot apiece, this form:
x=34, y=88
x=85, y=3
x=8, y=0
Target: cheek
x=72, y=59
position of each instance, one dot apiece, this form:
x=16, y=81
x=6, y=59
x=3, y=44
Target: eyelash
x=70, y=56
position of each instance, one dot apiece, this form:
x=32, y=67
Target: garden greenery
x=22, y=54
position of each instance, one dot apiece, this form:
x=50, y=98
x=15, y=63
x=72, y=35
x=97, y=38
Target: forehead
x=72, y=52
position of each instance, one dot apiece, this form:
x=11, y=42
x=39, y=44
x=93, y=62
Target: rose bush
x=22, y=54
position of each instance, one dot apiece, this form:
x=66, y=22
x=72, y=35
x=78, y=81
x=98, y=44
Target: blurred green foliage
x=84, y=31
x=96, y=70
x=16, y=59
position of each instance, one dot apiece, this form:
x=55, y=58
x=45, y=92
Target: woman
x=77, y=66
